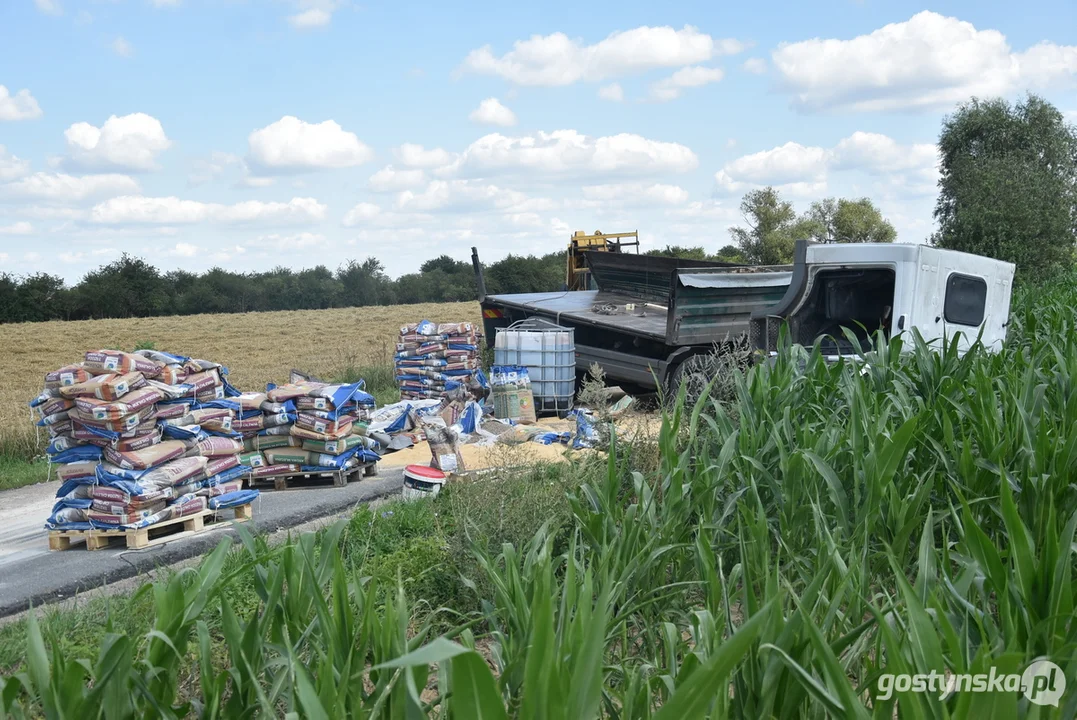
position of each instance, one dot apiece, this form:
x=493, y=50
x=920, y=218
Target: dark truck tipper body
x=651, y=314
x=648, y=314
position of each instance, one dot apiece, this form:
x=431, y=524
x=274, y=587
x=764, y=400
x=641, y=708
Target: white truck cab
x=892, y=286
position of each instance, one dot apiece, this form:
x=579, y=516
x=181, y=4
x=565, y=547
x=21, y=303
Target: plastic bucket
x=422, y=481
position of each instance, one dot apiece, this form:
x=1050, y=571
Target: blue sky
x=255, y=133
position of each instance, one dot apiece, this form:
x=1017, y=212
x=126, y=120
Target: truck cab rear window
x=966, y=297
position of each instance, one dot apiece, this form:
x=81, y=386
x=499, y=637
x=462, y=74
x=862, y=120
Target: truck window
x=966, y=298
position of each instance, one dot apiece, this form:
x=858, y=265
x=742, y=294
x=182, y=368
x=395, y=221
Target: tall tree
x=773, y=228
x=1009, y=184
x=848, y=221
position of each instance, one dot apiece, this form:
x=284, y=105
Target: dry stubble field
x=256, y=347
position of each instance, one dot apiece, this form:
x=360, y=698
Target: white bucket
x=421, y=481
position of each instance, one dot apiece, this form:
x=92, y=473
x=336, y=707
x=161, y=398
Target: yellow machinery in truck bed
x=577, y=274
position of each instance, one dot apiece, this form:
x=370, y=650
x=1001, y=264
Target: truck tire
x=694, y=372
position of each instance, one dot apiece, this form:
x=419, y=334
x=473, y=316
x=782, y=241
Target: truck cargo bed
x=648, y=320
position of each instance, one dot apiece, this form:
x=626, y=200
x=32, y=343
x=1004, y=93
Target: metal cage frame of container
x=559, y=401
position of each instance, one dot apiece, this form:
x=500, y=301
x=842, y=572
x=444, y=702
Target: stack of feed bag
x=431, y=358
x=307, y=427
x=166, y=445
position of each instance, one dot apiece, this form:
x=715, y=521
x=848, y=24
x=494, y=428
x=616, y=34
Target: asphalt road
x=29, y=573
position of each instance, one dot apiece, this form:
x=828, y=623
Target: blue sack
x=586, y=435
x=81, y=453
x=233, y=499
x=233, y=473
x=69, y=486
x=176, y=432
x=69, y=515
x=229, y=389
x=471, y=418
x=219, y=405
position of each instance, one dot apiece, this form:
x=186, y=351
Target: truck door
x=964, y=303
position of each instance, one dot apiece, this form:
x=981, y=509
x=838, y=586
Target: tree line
x=132, y=287
x=1007, y=189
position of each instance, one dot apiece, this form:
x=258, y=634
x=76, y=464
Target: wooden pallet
x=151, y=535
x=307, y=480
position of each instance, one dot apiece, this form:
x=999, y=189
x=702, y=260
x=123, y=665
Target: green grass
x=911, y=511
x=17, y=471
x=425, y=544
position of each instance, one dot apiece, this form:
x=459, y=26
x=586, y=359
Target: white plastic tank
x=548, y=351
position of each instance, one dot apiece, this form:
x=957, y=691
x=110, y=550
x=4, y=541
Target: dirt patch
x=502, y=455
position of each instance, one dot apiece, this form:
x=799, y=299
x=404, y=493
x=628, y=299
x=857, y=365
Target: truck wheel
x=693, y=373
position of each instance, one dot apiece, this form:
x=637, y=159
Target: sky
x=249, y=134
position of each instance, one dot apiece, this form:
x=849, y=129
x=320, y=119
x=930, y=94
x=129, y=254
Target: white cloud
x=786, y=163
x=188, y=250
x=291, y=144
x=252, y=181
x=389, y=179
x=183, y=249
x=49, y=7
x=77, y=257
x=166, y=3
x=803, y=170
x=463, y=195
x=730, y=143
x=1071, y=116
x=52, y=213
x=362, y=212
x=312, y=14
x=755, y=66
x=226, y=254
x=20, y=106
x=491, y=112
x=132, y=142
x=172, y=210
x=881, y=154
x=210, y=168
x=688, y=77
x=310, y=19
x=298, y=241
x=60, y=187
x=556, y=59
x=417, y=156
x=929, y=61
x=791, y=168
x=20, y=228
x=567, y=152
x=636, y=194
x=612, y=92
x=122, y=48
x=11, y=167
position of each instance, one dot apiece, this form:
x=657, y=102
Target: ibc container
x=548, y=351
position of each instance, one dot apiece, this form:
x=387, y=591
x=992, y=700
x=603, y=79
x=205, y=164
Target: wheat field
x=256, y=347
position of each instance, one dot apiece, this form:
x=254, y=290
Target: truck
x=649, y=316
